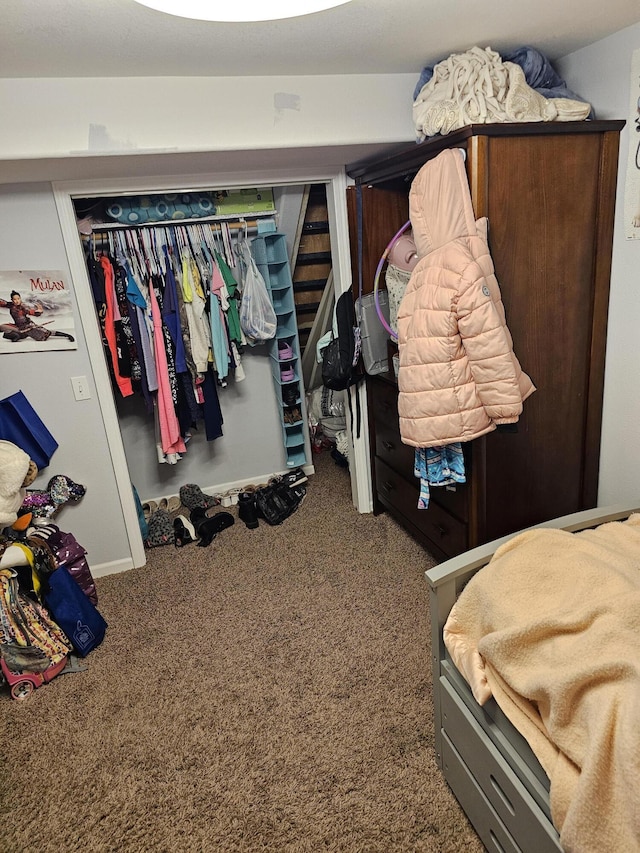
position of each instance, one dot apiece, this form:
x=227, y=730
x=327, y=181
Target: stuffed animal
x=43, y=504
x=17, y=471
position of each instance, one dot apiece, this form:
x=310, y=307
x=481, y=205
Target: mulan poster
x=36, y=312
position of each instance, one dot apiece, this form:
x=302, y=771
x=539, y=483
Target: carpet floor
x=270, y=692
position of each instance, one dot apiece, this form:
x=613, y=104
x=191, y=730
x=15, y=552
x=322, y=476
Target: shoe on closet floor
x=184, y=531
x=148, y=508
x=208, y=527
x=192, y=496
x=247, y=510
x=171, y=504
x=295, y=478
x=160, y=529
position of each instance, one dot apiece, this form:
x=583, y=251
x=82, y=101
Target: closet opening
x=257, y=416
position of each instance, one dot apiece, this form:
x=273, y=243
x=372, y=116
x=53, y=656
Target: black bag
x=341, y=357
x=276, y=502
x=342, y=365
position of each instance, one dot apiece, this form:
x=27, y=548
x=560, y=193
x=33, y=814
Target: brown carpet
x=271, y=692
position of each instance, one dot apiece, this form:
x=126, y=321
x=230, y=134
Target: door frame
x=65, y=192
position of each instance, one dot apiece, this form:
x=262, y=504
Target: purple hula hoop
x=376, y=280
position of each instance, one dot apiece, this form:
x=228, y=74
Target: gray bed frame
x=488, y=765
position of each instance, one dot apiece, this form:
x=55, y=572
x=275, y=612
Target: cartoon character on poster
x=36, y=312
x=632, y=189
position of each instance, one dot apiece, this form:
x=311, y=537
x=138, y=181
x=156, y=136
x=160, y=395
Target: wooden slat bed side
x=449, y=578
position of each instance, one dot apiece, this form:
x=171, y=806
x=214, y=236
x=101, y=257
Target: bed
x=514, y=781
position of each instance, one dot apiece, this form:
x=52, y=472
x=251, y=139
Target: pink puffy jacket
x=458, y=375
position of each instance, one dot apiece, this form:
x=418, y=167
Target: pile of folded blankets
x=479, y=87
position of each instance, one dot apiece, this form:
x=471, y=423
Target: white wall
x=31, y=239
x=68, y=117
x=601, y=73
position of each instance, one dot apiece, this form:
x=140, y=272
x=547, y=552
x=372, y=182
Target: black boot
x=247, y=510
x=207, y=527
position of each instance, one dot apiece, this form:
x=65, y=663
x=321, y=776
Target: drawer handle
x=496, y=843
x=498, y=789
x=441, y=530
x=388, y=445
x=388, y=487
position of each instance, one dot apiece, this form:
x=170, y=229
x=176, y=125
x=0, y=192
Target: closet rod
x=234, y=222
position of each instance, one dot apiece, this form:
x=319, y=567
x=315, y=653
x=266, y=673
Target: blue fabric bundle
x=540, y=74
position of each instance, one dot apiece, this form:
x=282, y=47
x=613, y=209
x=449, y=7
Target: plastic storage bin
x=374, y=335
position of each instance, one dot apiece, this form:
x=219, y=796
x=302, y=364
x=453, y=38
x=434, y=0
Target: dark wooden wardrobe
x=548, y=191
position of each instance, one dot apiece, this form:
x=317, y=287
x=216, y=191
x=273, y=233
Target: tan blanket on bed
x=555, y=619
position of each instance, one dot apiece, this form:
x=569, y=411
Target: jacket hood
x=440, y=203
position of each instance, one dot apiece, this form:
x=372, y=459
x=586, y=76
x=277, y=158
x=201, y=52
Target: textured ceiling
x=119, y=38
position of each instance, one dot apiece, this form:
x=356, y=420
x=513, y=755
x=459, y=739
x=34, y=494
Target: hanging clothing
x=128, y=339
x=233, y=314
x=109, y=327
x=171, y=315
x=197, y=320
x=211, y=407
x=171, y=440
x=219, y=335
x=438, y=466
x=171, y=325
x=459, y=377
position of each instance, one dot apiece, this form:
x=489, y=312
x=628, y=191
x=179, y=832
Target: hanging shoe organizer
x=271, y=257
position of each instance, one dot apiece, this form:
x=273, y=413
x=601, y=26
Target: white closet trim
x=361, y=491
x=64, y=192
x=104, y=393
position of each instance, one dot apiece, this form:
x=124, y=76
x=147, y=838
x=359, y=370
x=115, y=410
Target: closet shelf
x=270, y=253
x=237, y=221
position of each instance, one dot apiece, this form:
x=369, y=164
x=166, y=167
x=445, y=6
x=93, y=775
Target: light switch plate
x=80, y=388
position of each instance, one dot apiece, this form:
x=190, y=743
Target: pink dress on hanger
x=172, y=441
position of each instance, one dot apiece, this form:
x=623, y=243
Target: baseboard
x=112, y=568
x=235, y=485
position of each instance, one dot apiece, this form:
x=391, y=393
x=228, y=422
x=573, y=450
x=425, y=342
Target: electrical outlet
x=80, y=388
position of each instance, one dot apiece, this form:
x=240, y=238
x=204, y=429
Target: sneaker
x=299, y=492
x=247, y=510
x=184, y=531
x=295, y=478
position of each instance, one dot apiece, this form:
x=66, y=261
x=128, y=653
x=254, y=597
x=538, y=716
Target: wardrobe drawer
x=392, y=451
x=508, y=797
x=383, y=401
x=493, y=833
x=440, y=527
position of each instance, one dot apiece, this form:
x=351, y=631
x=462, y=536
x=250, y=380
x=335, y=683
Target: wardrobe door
x=549, y=201
x=385, y=209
